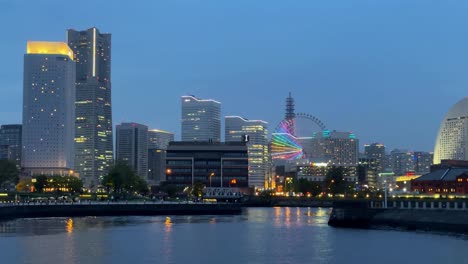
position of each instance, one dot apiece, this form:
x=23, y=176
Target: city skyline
x=400, y=92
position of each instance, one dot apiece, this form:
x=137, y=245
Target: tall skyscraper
x=376, y=151
x=336, y=148
x=94, y=143
x=257, y=145
x=201, y=119
x=48, y=109
x=452, y=139
x=159, y=139
x=132, y=147
x=10, y=140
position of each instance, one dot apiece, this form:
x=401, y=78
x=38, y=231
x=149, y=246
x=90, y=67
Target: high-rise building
x=93, y=140
x=132, y=147
x=10, y=140
x=336, y=148
x=376, y=151
x=402, y=161
x=159, y=139
x=452, y=139
x=236, y=128
x=422, y=161
x=48, y=109
x=201, y=119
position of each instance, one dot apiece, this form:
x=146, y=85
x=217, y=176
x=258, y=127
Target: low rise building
x=448, y=177
x=214, y=164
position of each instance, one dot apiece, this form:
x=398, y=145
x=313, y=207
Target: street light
x=211, y=175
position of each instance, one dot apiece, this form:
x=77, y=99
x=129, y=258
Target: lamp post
x=211, y=175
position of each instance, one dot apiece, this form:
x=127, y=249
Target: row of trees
x=335, y=183
x=120, y=179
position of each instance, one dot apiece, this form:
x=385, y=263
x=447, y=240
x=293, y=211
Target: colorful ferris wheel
x=291, y=136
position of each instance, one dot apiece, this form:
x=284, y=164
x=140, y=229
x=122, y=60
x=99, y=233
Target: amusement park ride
x=292, y=136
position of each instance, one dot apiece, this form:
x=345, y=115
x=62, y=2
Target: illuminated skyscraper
x=257, y=132
x=48, y=109
x=94, y=147
x=452, y=139
x=201, y=119
x=132, y=147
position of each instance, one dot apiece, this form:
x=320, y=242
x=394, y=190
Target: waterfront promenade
x=92, y=208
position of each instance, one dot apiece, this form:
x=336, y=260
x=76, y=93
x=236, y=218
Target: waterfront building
x=48, y=129
x=376, y=151
x=132, y=147
x=93, y=139
x=256, y=131
x=452, y=138
x=336, y=148
x=213, y=164
x=201, y=119
x=10, y=142
x=449, y=177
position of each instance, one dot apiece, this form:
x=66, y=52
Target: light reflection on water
x=259, y=235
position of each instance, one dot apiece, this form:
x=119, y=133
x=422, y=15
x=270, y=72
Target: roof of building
x=460, y=109
x=449, y=174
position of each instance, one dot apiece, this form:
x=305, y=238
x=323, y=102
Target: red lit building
x=450, y=177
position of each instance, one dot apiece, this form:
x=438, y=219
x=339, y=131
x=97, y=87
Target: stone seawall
x=71, y=210
x=439, y=220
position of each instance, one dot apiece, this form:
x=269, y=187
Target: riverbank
x=116, y=209
x=433, y=220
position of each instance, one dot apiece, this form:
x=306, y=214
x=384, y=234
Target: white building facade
x=236, y=128
x=48, y=109
x=201, y=119
x=452, y=139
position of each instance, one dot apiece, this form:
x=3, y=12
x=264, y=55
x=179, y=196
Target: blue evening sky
x=386, y=70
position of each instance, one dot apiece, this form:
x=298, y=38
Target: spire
x=289, y=108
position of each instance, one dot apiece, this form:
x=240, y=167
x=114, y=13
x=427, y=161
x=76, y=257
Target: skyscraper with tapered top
x=93, y=140
x=201, y=119
x=48, y=109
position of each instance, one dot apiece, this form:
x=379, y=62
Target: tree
x=40, y=182
x=197, y=190
x=305, y=186
x=24, y=185
x=122, y=178
x=334, y=180
x=8, y=172
x=170, y=189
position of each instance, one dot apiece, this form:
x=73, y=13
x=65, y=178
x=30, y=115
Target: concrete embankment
x=437, y=220
x=116, y=209
x=285, y=202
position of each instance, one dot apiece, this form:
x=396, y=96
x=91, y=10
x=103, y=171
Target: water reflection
x=259, y=235
x=69, y=225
